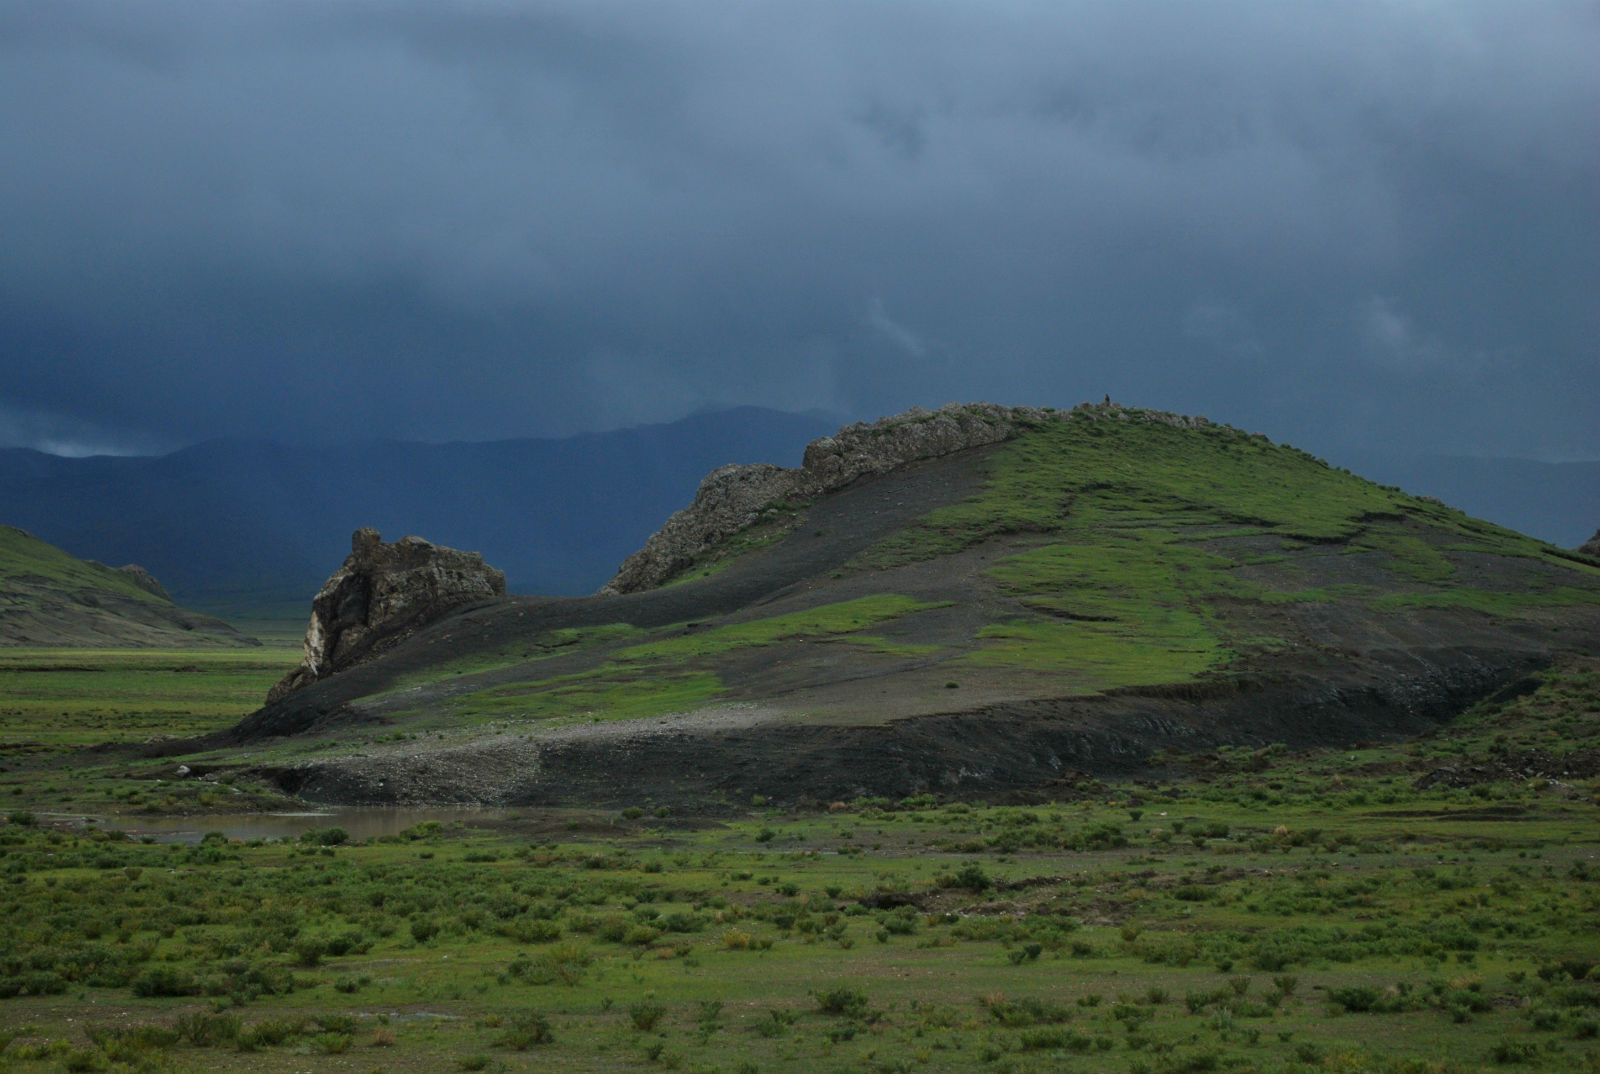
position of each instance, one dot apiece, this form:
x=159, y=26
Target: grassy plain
x=1431, y=906
x=79, y=697
x=56, y=702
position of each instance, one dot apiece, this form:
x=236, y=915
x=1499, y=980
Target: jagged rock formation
x=734, y=497
x=1591, y=547
x=381, y=595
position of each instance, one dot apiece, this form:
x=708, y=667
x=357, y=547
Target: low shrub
x=842, y=1000
x=645, y=1015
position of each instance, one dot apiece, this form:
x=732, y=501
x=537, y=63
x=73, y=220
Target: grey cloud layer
x=1352, y=223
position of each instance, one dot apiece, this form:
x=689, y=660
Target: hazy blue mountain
x=241, y=524
x=1556, y=501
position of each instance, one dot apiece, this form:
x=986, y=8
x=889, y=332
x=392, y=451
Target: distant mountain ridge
x=247, y=523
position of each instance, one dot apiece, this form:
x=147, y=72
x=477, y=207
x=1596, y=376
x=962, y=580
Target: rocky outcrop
x=381, y=595
x=1591, y=547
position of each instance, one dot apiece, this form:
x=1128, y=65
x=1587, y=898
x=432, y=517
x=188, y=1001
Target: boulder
x=383, y=594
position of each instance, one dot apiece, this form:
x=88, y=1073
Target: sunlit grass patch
x=1411, y=557
x=542, y=646
x=656, y=677
x=78, y=696
x=1059, y=475
x=612, y=693
x=1491, y=602
x=841, y=619
x=1163, y=646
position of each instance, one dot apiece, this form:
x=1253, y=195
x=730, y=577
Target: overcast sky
x=1367, y=225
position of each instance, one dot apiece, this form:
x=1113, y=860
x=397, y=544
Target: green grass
x=1062, y=475
x=1519, y=604
x=550, y=643
x=1170, y=648
x=1257, y=910
x=65, y=697
x=22, y=556
x=611, y=693
x=1127, y=586
x=1410, y=556
x=1142, y=527
x=668, y=674
x=1129, y=609
x=829, y=620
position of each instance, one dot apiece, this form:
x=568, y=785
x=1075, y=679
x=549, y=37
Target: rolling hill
x=977, y=601
x=48, y=598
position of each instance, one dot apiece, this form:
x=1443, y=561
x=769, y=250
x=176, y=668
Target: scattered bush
x=325, y=837
x=207, y=1030
x=842, y=1000
x=166, y=981
x=645, y=1015
x=526, y=1030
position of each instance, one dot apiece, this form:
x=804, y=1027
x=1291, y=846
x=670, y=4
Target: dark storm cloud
x=1362, y=223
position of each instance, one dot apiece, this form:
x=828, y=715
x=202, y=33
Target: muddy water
x=361, y=822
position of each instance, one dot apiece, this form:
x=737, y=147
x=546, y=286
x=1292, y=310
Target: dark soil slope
x=1101, y=587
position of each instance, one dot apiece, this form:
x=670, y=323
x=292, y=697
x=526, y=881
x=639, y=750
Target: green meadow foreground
x=1430, y=906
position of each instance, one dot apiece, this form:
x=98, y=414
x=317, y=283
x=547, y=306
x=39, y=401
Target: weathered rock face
x=1591, y=547
x=382, y=594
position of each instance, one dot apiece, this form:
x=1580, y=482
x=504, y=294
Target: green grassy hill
x=1101, y=586
x=49, y=598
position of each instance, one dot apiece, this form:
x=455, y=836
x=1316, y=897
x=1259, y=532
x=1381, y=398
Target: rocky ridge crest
x=1591, y=547
x=381, y=595
x=734, y=497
